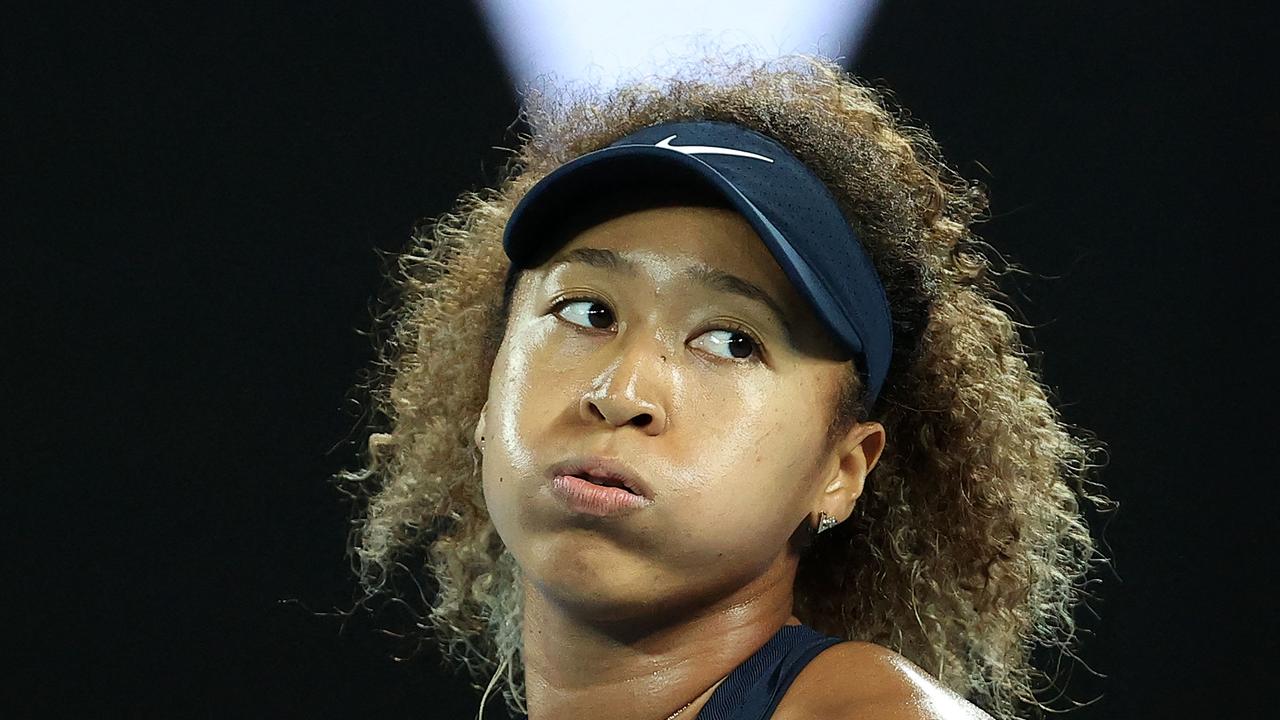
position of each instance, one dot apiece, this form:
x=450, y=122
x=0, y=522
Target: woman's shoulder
x=864, y=681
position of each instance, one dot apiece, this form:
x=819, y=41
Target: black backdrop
x=192, y=199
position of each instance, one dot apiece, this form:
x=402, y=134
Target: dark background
x=192, y=202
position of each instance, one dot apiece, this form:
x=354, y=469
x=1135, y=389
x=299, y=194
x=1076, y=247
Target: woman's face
x=635, y=342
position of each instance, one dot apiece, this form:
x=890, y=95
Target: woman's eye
x=588, y=313
x=730, y=344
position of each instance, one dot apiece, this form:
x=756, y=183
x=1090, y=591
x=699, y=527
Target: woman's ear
x=855, y=455
x=479, y=433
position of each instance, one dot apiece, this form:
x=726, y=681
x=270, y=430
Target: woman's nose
x=632, y=389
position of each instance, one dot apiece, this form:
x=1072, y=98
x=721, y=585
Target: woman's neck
x=646, y=668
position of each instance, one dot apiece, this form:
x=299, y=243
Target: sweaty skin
x=619, y=352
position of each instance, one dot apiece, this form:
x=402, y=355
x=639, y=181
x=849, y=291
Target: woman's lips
x=588, y=498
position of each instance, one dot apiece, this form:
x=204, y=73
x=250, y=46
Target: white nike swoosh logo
x=707, y=150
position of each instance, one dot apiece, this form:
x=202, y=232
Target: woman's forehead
x=686, y=241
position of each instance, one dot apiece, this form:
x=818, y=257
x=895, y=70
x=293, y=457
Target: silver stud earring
x=826, y=522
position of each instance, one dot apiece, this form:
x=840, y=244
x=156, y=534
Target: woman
x=710, y=409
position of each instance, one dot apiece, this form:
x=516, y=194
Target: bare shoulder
x=865, y=681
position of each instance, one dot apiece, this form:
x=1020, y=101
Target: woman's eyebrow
x=595, y=257
x=710, y=277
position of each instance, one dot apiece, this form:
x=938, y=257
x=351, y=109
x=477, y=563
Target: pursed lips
x=605, y=472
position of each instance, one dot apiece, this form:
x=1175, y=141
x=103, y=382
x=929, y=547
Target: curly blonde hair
x=968, y=548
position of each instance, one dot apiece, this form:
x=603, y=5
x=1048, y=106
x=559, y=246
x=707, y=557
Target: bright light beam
x=603, y=43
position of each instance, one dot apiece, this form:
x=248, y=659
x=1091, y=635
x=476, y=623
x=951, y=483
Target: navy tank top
x=754, y=688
